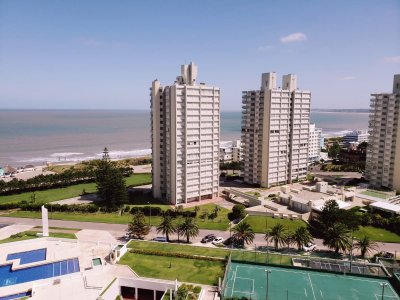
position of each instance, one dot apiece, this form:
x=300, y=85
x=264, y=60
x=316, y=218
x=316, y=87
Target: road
x=118, y=231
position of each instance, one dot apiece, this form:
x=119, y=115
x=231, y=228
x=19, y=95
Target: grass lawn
x=375, y=194
x=377, y=234
x=27, y=235
x=177, y=248
x=259, y=223
x=71, y=191
x=183, y=269
x=245, y=255
x=219, y=223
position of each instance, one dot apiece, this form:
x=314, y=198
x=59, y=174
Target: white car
x=309, y=247
x=217, y=240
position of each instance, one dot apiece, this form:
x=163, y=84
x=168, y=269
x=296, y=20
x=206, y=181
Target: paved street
x=118, y=231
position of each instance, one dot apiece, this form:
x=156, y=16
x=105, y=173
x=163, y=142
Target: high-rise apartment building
x=314, y=143
x=383, y=152
x=185, y=122
x=275, y=132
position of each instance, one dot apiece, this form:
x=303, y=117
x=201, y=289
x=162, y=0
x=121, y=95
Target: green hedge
x=179, y=255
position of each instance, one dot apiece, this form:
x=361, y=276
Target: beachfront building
x=237, y=154
x=383, y=152
x=275, y=132
x=185, y=121
x=356, y=136
x=314, y=143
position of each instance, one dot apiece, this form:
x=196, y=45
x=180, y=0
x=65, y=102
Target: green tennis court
x=250, y=281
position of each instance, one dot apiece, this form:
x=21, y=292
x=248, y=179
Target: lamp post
x=268, y=272
x=351, y=253
x=383, y=285
x=150, y=213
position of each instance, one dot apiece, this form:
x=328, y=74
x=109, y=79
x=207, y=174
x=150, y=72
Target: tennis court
x=250, y=281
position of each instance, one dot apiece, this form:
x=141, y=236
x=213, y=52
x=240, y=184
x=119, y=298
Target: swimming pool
x=29, y=256
x=10, y=277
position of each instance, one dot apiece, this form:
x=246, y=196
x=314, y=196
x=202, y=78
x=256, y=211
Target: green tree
x=238, y=212
x=138, y=227
x=329, y=215
x=278, y=235
x=365, y=245
x=301, y=237
x=110, y=182
x=188, y=228
x=167, y=226
x=338, y=238
x=334, y=150
x=243, y=233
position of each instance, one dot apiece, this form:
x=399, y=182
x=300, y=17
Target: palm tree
x=278, y=235
x=365, y=245
x=243, y=233
x=338, y=237
x=166, y=226
x=301, y=237
x=188, y=228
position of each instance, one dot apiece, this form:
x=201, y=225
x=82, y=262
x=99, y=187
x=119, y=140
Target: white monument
x=45, y=221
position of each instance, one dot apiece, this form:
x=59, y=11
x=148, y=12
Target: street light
x=268, y=272
x=150, y=213
x=383, y=285
x=351, y=253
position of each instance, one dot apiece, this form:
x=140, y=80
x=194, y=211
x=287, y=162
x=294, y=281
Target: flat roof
x=386, y=206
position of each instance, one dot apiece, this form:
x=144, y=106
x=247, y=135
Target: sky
x=98, y=54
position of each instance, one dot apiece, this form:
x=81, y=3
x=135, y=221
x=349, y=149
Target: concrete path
x=7, y=231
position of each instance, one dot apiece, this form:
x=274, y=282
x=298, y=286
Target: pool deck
x=89, y=280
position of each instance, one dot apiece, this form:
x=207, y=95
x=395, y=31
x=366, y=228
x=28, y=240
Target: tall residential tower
x=275, y=132
x=185, y=122
x=383, y=152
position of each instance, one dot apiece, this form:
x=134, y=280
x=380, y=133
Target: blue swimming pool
x=10, y=277
x=16, y=296
x=29, y=256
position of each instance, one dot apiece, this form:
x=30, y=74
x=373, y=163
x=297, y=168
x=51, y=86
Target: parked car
x=160, y=239
x=127, y=236
x=309, y=247
x=208, y=238
x=217, y=240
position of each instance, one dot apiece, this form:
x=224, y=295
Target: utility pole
x=268, y=272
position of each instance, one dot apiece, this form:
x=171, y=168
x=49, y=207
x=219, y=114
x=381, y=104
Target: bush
x=197, y=289
x=179, y=255
x=238, y=212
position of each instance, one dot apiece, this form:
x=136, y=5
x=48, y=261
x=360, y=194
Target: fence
x=316, y=263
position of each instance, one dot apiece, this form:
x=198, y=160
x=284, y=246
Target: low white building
x=357, y=136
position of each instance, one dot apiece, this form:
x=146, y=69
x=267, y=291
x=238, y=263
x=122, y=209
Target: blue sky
x=104, y=54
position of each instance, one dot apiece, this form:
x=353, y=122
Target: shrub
x=179, y=255
x=238, y=212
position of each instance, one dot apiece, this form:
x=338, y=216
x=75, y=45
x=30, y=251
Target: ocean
x=40, y=136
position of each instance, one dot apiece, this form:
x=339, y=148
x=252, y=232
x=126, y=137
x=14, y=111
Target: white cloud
x=348, y=78
x=265, y=48
x=294, y=37
x=392, y=59
x=89, y=42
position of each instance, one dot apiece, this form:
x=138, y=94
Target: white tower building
x=314, y=143
x=185, y=122
x=275, y=132
x=383, y=152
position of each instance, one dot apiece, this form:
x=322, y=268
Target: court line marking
x=312, y=288
x=305, y=292
x=306, y=273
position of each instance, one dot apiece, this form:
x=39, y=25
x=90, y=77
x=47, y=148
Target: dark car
x=208, y=238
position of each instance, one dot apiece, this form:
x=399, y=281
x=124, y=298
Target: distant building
x=383, y=152
x=237, y=151
x=314, y=143
x=185, y=122
x=1, y=171
x=230, y=151
x=275, y=132
x=357, y=136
